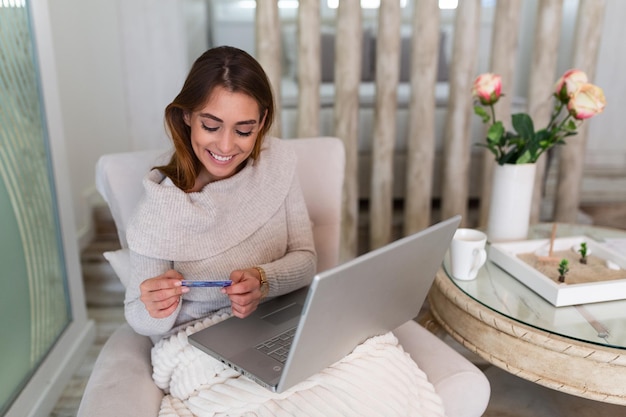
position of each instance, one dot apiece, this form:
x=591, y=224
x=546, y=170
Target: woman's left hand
x=245, y=291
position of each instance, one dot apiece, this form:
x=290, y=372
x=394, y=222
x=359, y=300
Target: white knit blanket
x=377, y=379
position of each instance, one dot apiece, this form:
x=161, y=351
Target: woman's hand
x=245, y=291
x=161, y=295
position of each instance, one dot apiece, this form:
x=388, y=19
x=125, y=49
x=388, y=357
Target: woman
x=227, y=205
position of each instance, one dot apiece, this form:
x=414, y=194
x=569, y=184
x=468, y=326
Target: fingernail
x=184, y=290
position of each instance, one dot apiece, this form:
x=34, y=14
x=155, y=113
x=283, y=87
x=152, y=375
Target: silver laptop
x=367, y=296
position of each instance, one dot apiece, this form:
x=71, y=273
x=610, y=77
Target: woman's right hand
x=161, y=295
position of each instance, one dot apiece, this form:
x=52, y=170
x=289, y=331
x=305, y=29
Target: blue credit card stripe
x=187, y=283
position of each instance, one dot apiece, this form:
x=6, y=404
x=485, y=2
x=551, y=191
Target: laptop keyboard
x=278, y=346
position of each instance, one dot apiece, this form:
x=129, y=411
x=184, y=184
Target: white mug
x=467, y=253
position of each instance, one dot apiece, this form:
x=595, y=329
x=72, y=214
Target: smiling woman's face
x=223, y=134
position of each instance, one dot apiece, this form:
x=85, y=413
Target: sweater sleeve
x=142, y=268
x=297, y=267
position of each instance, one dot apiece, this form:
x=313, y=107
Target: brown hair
x=225, y=66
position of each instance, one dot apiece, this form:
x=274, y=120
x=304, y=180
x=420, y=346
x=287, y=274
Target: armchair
x=121, y=383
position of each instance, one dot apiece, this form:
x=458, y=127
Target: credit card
x=187, y=283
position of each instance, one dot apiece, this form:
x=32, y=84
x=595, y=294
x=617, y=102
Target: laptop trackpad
x=284, y=314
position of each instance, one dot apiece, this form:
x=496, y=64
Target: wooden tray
x=506, y=256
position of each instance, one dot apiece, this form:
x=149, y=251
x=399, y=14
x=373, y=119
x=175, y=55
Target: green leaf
x=525, y=158
x=523, y=125
x=508, y=157
x=543, y=140
x=495, y=133
x=570, y=126
x=480, y=111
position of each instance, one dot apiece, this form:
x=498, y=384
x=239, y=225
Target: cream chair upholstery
x=121, y=383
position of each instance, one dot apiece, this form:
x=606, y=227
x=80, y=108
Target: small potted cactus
x=583, y=253
x=563, y=269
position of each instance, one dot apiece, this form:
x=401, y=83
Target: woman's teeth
x=221, y=158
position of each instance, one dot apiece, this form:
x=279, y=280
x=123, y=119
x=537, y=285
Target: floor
x=511, y=396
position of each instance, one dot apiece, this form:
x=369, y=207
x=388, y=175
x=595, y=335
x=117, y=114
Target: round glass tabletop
x=602, y=323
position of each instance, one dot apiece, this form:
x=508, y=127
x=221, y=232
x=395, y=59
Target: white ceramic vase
x=511, y=201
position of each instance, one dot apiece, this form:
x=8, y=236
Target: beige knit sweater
x=257, y=217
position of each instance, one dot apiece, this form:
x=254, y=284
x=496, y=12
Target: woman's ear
x=187, y=118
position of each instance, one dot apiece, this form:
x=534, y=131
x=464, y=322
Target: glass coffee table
x=580, y=350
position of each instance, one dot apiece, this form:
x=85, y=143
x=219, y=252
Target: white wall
x=119, y=63
x=90, y=72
